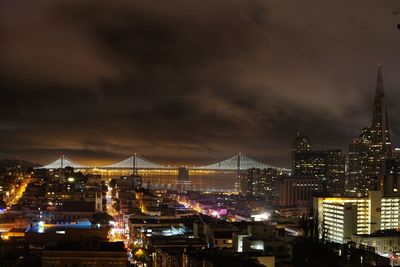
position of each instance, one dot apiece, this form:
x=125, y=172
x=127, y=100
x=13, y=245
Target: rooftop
x=382, y=233
x=78, y=206
x=176, y=241
x=88, y=246
x=42, y=227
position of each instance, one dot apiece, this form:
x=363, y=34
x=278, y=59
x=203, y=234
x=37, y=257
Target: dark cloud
x=186, y=81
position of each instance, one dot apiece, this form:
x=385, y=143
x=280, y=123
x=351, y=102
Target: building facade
x=295, y=191
x=385, y=243
x=368, y=152
x=341, y=217
x=259, y=183
x=328, y=166
x=300, y=144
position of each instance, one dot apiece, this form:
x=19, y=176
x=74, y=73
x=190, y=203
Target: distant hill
x=17, y=163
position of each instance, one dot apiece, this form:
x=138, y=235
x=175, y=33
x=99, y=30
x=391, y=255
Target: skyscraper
x=335, y=171
x=354, y=173
x=183, y=179
x=328, y=166
x=368, y=153
x=380, y=147
x=259, y=182
x=300, y=144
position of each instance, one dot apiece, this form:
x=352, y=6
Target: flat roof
x=54, y=228
x=79, y=246
x=176, y=241
x=381, y=233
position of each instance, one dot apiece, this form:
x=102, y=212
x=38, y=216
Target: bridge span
x=136, y=162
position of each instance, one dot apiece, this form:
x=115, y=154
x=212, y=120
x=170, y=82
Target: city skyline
x=199, y=133
x=99, y=88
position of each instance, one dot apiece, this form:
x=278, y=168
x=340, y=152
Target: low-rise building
x=220, y=235
x=385, y=242
x=91, y=253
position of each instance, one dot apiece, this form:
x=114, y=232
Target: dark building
x=259, y=182
x=137, y=181
x=390, y=182
x=328, y=166
x=335, y=171
x=368, y=152
x=357, y=152
x=300, y=144
x=89, y=253
x=183, y=179
x=310, y=163
x=297, y=191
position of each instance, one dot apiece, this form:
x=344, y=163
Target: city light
x=122, y=122
x=261, y=217
x=41, y=226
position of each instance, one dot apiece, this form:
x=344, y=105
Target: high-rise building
x=298, y=191
x=380, y=147
x=300, y=144
x=335, y=171
x=390, y=182
x=354, y=179
x=259, y=182
x=183, y=179
x=310, y=163
x=328, y=166
x=368, y=153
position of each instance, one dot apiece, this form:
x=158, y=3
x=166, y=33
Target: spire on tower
x=379, y=83
x=379, y=117
x=380, y=124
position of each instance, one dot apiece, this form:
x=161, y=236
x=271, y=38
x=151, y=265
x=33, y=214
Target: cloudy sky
x=191, y=81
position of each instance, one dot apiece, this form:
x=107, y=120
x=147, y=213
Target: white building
x=385, y=242
x=340, y=218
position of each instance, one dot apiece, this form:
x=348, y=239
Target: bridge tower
x=237, y=183
x=134, y=169
x=137, y=179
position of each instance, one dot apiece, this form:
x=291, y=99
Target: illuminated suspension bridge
x=136, y=162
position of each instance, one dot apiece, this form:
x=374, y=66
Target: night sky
x=191, y=81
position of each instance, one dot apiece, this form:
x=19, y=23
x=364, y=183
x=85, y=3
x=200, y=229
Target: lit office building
x=384, y=243
x=340, y=218
x=328, y=166
x=259, y=182
x=300, y=144
x=335, y=171
x=390, y=213
x=355, y=182
x=368, y=153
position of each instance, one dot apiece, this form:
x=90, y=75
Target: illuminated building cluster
x=340, y=218
x=368, y=152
